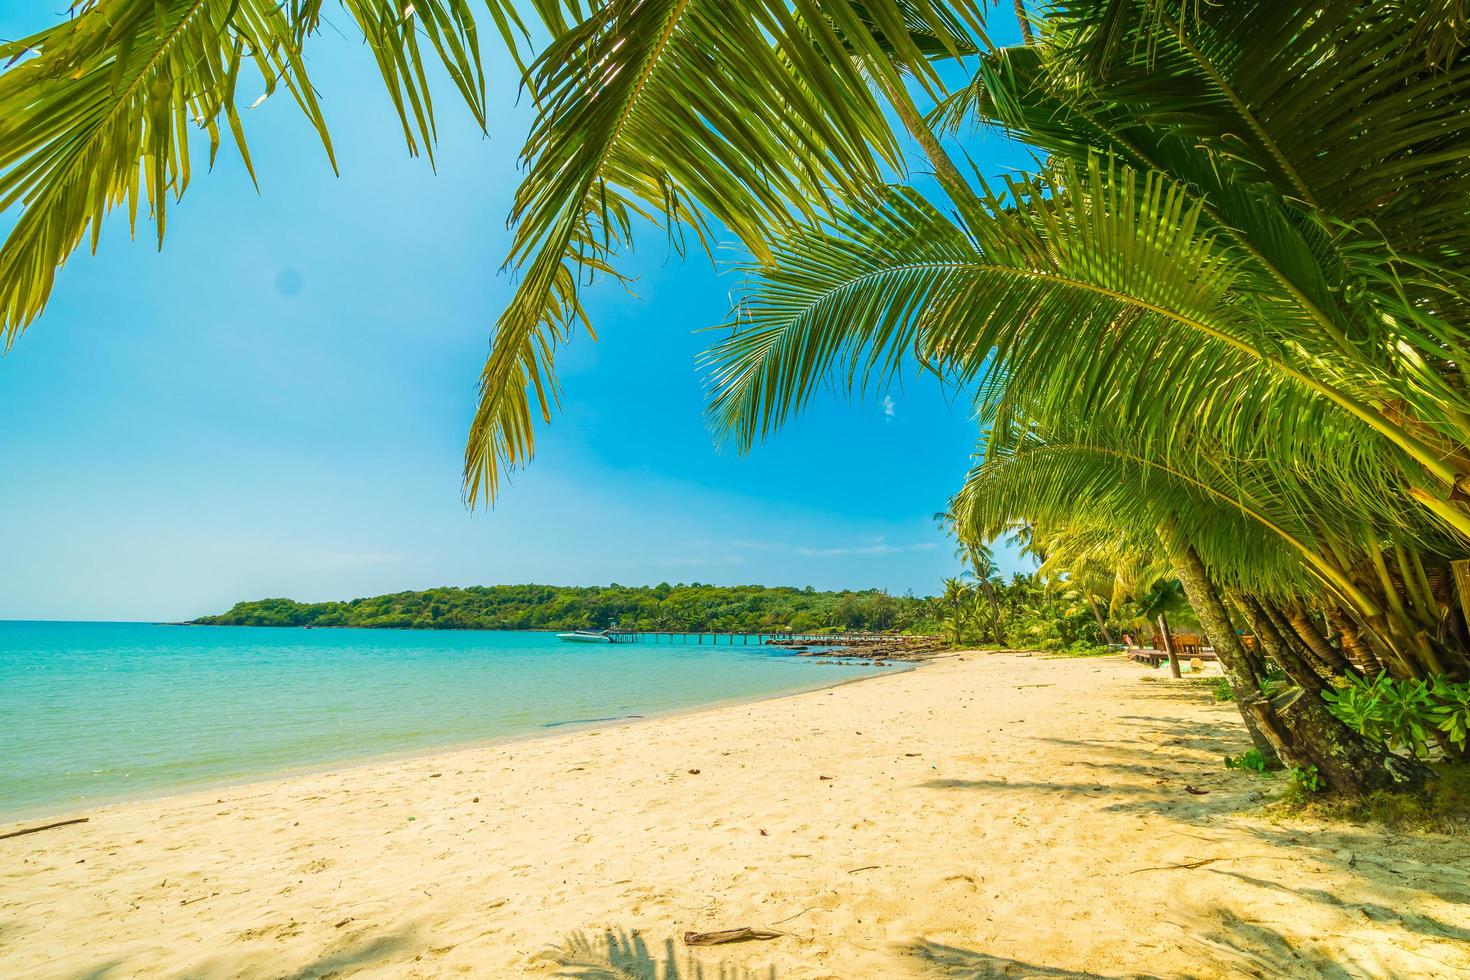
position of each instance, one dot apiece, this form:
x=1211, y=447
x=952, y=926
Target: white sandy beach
x=986, y=815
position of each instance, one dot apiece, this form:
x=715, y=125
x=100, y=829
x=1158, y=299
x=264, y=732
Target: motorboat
x=585, y=636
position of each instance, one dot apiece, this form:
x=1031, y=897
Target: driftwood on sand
x=44, y=826
x=740, y=935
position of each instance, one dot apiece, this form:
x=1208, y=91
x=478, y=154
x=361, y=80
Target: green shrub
x=1451, y=710
x=1441, y=807
x=1082, y=648
x=1253, y=760
x=1404, y=714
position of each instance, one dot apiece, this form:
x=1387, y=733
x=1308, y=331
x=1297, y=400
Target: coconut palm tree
x=1209, y=536
x=956, y=597
x=1262, y=337
x=1331, y=255
x=983, y=570
x=685, y=115
x=1289, y=261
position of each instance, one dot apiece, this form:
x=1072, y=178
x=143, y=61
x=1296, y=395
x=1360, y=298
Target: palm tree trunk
x=1356, y=651
x=1302, y=672
x=1265, y=643
x=1312, y=638
x=1295, y=723
x=1026, y=36
x=995, y=616
x=955, y=186
x=1102, y=624
x=1216, y=622
x=1169, y=645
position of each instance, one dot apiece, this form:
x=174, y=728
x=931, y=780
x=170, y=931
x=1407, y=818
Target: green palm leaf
x=682, y=113
x=102, y=111
x=1059, y=278
x=1314, y=134
x=1094, y=473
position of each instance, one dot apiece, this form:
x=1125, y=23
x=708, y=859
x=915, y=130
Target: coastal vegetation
x=711, y=608
x=1025, y=611
x=1217, y=335
x=1220, y=327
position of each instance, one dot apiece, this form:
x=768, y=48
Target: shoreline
x=989, y=815
x=13, y=820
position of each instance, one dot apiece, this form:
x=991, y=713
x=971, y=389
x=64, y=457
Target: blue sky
x=276, y=403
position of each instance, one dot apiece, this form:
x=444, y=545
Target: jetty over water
x=784, y=639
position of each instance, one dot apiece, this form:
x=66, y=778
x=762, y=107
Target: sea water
x=94, y=712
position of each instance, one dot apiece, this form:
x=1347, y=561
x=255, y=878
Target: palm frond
x=102, y=110
x=1093, y=472
x=679, y=113
x=1387, y=139
x=1067, y=281
x=849, y=298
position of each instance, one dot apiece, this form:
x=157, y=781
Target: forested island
x=740, y=608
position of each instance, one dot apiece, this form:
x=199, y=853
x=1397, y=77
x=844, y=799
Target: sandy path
x=985, y=816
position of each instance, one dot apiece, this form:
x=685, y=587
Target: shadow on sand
x=625, y=955
x=341, y=958
x=939, y=960
x=1234, y=948
x=1231, y=947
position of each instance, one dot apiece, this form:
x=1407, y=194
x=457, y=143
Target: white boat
x=585, y=636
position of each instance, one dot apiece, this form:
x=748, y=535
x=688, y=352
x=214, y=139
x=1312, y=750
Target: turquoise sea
x=93, y=712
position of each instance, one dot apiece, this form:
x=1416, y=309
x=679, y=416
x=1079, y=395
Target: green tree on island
x=692, y=608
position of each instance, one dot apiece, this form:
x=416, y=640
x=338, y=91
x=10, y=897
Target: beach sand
x=984, y=815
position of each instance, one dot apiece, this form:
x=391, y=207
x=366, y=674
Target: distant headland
x=738, y=608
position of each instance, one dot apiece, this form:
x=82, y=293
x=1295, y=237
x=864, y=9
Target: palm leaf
x=1334, y=106
x=1063, y=276
x=103, y=110
x=1093, y=472
x=751, y=115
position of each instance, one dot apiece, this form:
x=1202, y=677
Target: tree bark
x=1297, y=629
x=1026, y=36
x=1357, y=652
x=1296, y=723
x=1301, y=671
x=1265, y=643
x=1309, y=734
x=1210, y=612
x=994, y=612
x=1169, y=645
x=945, y=171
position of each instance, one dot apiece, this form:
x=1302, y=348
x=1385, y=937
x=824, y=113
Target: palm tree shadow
x=99, y=972
x=344, y=957
x=355, y=955
x=624, y=955
x=939, y=960
x=1410, y=920
x=1256, y=949
x=1244, y=948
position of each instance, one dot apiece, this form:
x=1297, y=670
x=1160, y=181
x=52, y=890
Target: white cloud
x=888, y=406
x=865, y=549
x=871, y=546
